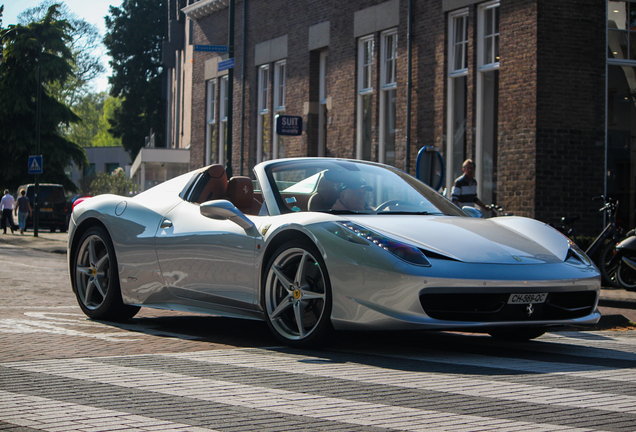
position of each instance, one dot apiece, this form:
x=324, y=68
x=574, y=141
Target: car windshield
x=346, y=187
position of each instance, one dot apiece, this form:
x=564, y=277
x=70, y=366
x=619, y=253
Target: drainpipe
x=409, y=74
x=243, y=84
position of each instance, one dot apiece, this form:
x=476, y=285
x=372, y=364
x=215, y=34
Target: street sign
x=211, y=48
x=35, y=164
x=226, y=64
x=289, y=125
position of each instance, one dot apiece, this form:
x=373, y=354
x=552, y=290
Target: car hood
x=502, y=240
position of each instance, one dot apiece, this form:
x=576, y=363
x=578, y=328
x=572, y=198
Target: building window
x=457, y=91
x=322, y=114
x=388, y=96
x=210, y=132
x=279, y=105
x=621, y=30
x=223, y=111
x=621, y=108
x=487, y=101
x=110, y=167
x=263, y=148
x=366, y=53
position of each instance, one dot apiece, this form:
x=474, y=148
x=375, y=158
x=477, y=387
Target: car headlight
x=575, y=252
x=358, y=234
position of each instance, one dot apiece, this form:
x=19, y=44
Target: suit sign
x=289, y=125
x=35, y=164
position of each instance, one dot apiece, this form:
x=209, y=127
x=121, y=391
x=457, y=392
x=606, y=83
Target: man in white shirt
x=6, y=204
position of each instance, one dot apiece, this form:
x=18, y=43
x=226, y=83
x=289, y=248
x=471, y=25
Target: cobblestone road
x=165, y=371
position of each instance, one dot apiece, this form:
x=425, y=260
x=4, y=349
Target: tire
x=296, y=295
x=608, y=267
x=95, y=278
x=625, y=275
x=52, y=229
x=522, y=334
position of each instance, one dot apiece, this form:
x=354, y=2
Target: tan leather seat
x=240, y=192
x=327, y=192
x=216, y=186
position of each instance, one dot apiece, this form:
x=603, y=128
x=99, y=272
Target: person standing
x=6, y=204
x=22, y=210
x=465, y=187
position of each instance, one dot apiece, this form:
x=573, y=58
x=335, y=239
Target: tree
x=84, y=43
x=114, y=183
x=104, y=138
x=134, y=39
x=18, y=106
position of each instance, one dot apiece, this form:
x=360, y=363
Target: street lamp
x=37, y=121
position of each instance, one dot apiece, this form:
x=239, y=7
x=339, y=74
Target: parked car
x=288, y=253
x=54, y=209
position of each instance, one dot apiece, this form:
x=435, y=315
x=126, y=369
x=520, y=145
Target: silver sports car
x=317, y=244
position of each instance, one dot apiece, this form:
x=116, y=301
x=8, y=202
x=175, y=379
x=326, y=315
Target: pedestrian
x=22, y=210
x=6, y=204
x=465, y=187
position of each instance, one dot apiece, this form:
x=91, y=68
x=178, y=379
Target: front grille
x=494, y=307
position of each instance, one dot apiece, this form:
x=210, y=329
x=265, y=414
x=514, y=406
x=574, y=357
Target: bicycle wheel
x=607, y=266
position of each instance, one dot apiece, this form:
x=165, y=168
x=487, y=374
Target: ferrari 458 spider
x=316, y=244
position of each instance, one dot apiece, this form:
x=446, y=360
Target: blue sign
x=35, y=165
x=289, y=125
x=226, y=64
x=211, y=48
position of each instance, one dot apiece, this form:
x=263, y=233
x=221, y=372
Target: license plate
x=46, y=209
x=527, y=298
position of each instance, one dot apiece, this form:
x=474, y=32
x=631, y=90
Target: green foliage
x=84, y=42
x=18, y=106
x=134, y=39
x=104, y=138
x=115, y=183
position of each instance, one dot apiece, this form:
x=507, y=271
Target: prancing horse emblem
x=530, y=309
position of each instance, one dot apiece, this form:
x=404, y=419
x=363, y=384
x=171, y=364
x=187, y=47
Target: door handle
x=166, y=223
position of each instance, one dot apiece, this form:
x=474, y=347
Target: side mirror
x=430, y=167
x=225, y=210
x=472, y=211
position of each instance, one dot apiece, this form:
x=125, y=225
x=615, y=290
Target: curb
x=617, y=303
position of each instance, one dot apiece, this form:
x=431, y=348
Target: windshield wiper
x=405, y=213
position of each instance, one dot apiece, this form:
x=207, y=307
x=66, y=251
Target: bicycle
x=603, y=248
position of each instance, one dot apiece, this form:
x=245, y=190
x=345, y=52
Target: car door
x=207, y=260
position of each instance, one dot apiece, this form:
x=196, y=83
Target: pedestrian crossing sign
x=35, y=164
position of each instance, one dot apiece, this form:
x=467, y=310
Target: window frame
x=262, y=108
x=365, y=73
x=386, y=86
x=210, y=122
x=453, y=74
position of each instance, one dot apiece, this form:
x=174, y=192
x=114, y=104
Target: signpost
x=211, y=48
x=289, y=125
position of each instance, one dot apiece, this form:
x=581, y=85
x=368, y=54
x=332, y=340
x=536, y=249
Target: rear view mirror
x=225, y=210
x=430, y=167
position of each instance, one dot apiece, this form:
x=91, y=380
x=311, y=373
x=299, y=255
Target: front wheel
x=626, y=271
x=95, y=278
x=608, y=265
x=296, y=295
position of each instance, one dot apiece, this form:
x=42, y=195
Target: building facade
x=540, y=94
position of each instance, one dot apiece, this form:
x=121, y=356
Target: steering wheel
x=394, y=202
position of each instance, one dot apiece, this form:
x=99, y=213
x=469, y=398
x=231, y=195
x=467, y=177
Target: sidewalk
x=45, y=241
x=613, y=301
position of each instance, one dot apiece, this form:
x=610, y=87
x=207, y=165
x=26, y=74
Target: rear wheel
x=626, y=273
x=517, y=334
x=95, y=278
x=296, y=295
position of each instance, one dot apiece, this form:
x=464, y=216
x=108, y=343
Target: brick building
x=527, y=88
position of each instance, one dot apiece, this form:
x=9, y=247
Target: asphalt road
x=170, y=371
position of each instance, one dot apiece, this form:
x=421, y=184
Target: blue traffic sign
x=35, y=165
x=226, y=64
x=211, y=48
